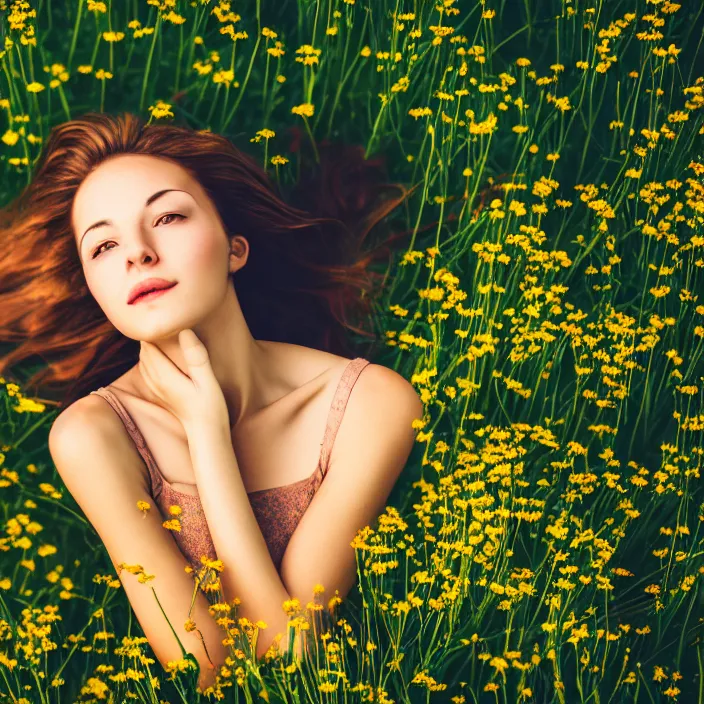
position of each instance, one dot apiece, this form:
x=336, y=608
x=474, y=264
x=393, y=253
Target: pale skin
x=262, y=408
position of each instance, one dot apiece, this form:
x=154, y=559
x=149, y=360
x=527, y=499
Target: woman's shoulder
x=88, y=413
x=307, y=362
x=93, y=411
x=89, y=432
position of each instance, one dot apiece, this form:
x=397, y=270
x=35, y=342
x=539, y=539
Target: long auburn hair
x=307, y=280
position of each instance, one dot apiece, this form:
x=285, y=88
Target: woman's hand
x=191, y=397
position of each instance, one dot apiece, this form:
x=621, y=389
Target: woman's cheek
x=206, y=256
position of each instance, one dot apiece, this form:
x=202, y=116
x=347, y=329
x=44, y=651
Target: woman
x=224, y=409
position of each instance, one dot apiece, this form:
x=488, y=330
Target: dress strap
x=337, y=409
x=136, y=434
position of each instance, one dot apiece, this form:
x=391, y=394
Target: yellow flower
x=113, y=36
x=10, y=137
x=304, y=109
x=173, y=524
x=161, y=109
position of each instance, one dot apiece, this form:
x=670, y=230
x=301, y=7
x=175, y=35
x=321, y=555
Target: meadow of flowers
x=545, y=542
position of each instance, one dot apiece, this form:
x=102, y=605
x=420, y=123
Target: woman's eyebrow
x=150, y=200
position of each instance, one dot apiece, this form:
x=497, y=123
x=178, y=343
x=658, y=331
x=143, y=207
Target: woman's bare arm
x=103, y=471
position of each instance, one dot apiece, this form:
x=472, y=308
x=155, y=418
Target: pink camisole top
x=278, y=510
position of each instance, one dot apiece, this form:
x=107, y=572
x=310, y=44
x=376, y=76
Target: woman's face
x=126, y=233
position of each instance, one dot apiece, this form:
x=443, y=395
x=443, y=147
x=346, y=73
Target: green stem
x=147, y=68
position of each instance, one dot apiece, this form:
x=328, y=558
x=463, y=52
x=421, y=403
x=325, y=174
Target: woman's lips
x=152, y=295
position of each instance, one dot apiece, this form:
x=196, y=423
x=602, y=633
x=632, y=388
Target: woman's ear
x=239, y=251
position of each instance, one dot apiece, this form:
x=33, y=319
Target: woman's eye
x=169, y=215
x=98, y=251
